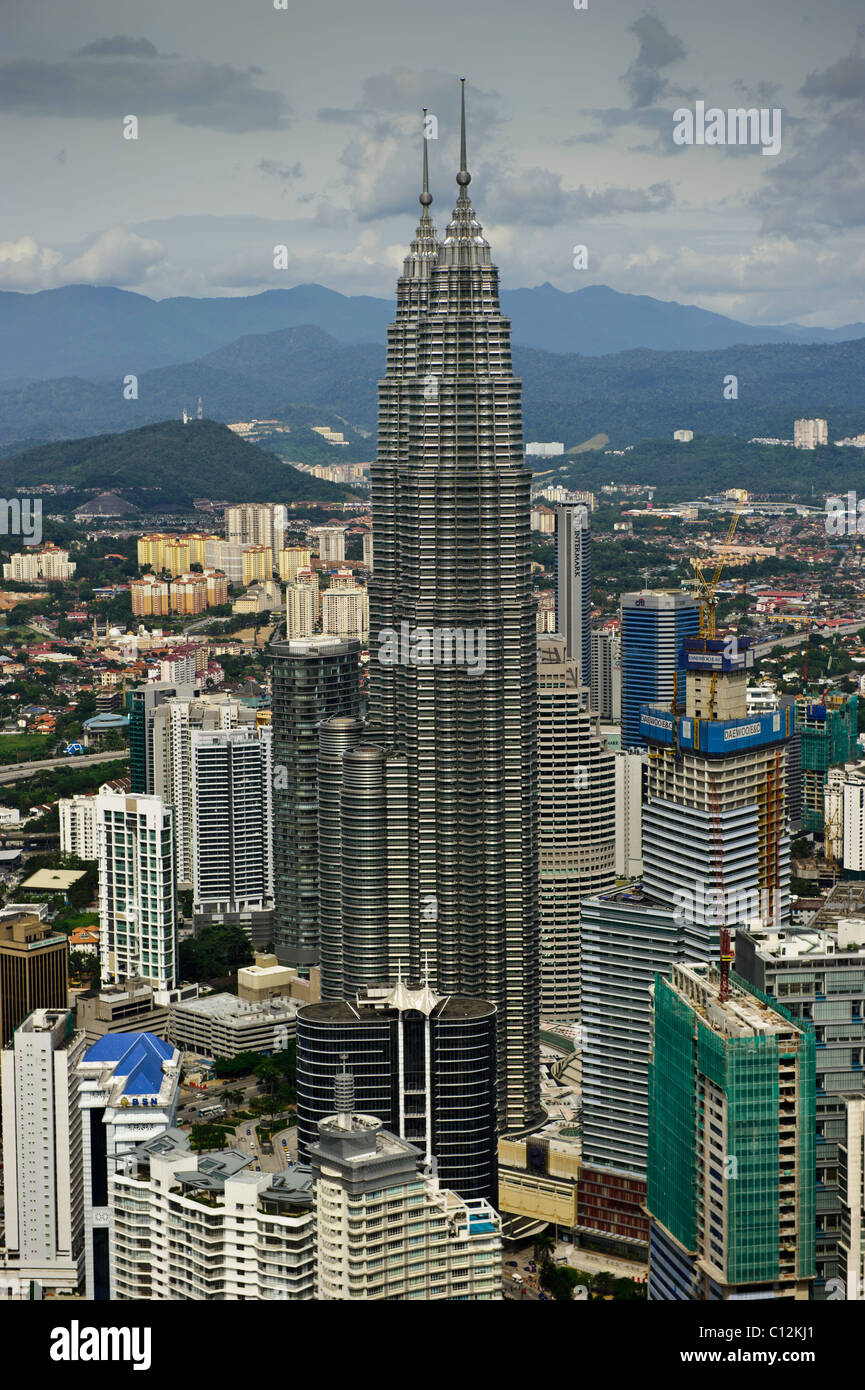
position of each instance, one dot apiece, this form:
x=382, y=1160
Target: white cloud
x=25, y=265
x=116, y=257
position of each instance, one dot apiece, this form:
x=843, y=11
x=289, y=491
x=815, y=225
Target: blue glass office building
x=655, y=623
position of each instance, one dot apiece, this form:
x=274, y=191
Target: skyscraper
x=34, y=963
x=137, y=891
x=313, y=679
x=606, y=646
x=576, y=821
x=574, y=585
x=425, y=1065
x=232, y=842
x=655, y=622
x=731, y=1184
x=453, y=680
x=43, y=1175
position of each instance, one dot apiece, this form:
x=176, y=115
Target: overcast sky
x=260, y=126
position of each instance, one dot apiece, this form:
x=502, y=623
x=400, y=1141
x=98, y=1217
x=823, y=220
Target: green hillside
x=169, y=463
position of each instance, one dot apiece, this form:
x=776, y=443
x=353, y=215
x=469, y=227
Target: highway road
x=19, y=772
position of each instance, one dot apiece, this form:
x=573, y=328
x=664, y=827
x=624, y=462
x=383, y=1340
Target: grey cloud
x=821, y=183
x=842, y=81
x=658, y=49
x=120, y=45
x=536, y=196
x=280, y=171
x=196, y=93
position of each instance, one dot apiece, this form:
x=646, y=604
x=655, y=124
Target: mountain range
x=306, y=377
x=95, y=331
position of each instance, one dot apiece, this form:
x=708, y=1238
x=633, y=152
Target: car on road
x=512, y=1263
x=249, y=1131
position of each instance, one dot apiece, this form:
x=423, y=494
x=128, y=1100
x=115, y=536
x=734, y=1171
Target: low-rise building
x=221, y=1025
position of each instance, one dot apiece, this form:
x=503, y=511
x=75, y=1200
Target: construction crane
x=704, y=587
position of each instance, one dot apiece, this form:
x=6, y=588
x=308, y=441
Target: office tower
x=128, y=1091
x=439, y=1246
x=232, y=808
x=216, y=1230
x=818, y=974
x=312, y=679
x=576, y=821
x=173, y=723
x=794, y=783
x=345, y=612
x=574, y=585
x=302, y=605
x=808, y=434
x=33, y=970
x=137, y=895
x=630, y=774
x=142, y=704
x=715, y=852
x=424, y=1064
x=828, y=730
x=258, y=524
x=731, y=1143
x=606, y=648
x=453, y=679
x=42, y=1162
x=329, y=541
x=655, y=622
x=335, y=737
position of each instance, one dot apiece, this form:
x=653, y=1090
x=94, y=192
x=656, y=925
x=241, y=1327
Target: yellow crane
x=704, y=587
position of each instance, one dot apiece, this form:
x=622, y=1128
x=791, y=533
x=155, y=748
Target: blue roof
x=137, y=1056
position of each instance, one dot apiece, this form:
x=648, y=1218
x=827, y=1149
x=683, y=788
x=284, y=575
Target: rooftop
x=132, y=1064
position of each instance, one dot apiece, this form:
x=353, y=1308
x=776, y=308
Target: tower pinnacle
x=464, y=178
x=426, y=197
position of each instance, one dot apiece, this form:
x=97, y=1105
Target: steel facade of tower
x=654, y=626
x=451, y=519
x=574, y=584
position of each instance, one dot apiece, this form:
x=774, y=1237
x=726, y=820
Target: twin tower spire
x=464, y=178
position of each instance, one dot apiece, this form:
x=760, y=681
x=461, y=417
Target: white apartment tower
x=302, y=606
x=345, y=612
x=137, y=899
x=78, y=826
x=44, y=1213
x=330, y=542
x=808, y=434
x=257, y=523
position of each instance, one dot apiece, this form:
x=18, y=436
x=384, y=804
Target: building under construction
x=731, y=1187
x=829, y=730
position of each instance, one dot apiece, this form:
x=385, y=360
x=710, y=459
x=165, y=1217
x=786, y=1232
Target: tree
x=560, y=1281
x=219, y=950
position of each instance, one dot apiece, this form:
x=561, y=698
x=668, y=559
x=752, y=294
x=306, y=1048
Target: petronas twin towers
x=436, y=865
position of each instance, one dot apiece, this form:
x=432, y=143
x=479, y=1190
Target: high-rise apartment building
x=42, y=1157
x=171, y=743
x=808, y=434
x=329, y=541
x=345, y=612
x=78, y=825
x=844, y=816
x=137, y=893
x=576, y=821
x=215, y=1228
x=654, y=624
x=293, y=559
x=453, y=664
x=606, y=649
x=257, y=523
x=142, y=704
x=436, y=1245
x=128, y=1092
x=34, y=963
x=232, y=806
x=574, y=585
x=424, y=1064
x=302, y=605
x=731, y=1143
x=313, y=679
